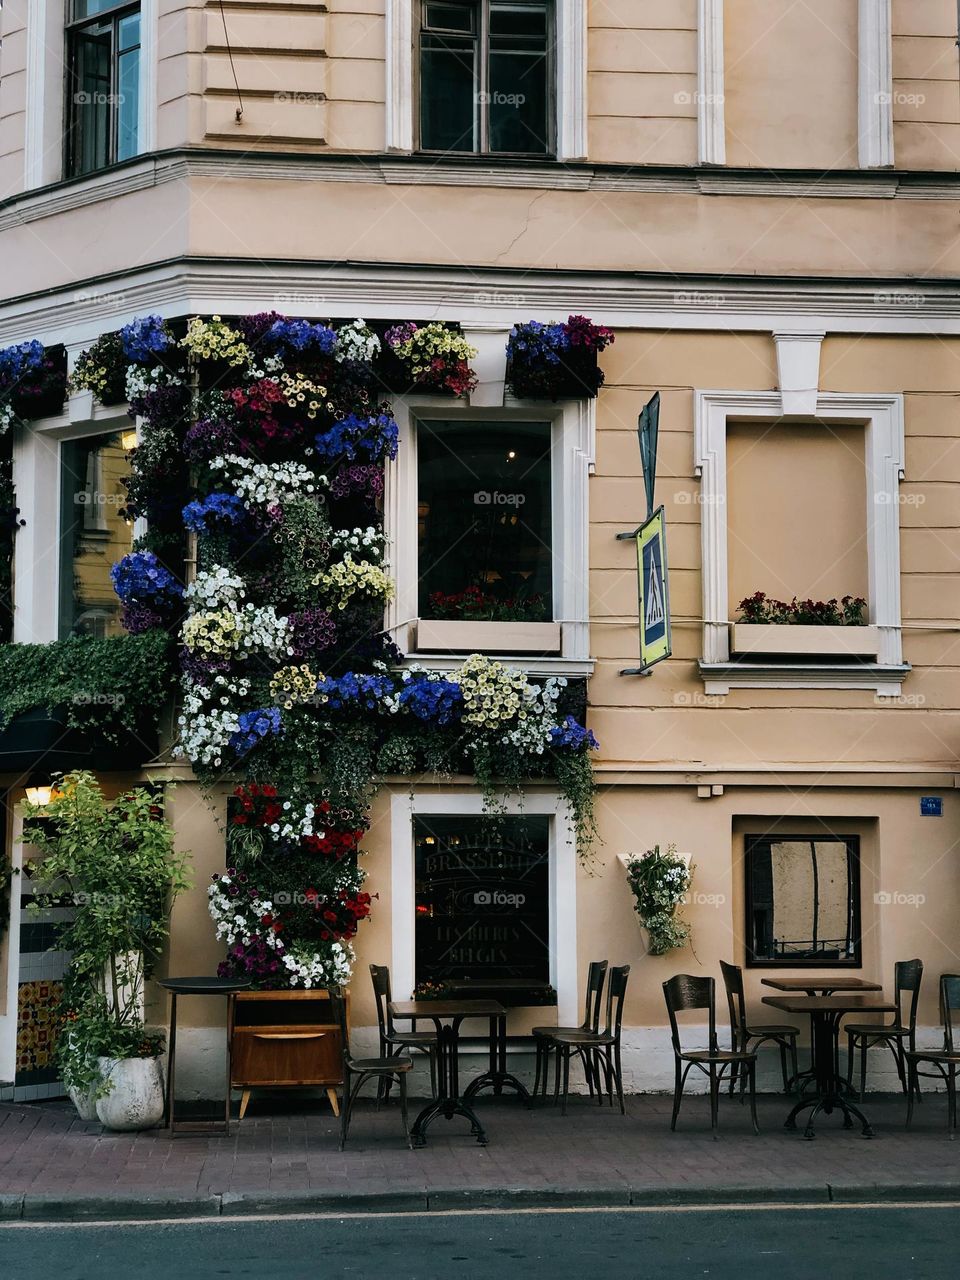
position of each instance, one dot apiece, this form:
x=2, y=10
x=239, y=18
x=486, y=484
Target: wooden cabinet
x=285, y=1039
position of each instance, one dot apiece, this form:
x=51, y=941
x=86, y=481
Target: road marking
x=330, y=1216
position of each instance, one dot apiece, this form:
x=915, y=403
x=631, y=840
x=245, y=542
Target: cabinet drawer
x=286, y=1055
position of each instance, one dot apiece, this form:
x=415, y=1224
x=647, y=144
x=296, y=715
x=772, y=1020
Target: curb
x=238, y=1205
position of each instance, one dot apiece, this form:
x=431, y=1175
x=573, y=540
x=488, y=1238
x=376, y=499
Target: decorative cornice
x=81, y=311
x=395, y=168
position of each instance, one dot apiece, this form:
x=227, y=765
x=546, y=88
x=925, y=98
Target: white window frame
x=37, y=480
x=574, y=435
x=882, y=419
x=562, y=882
x=570, y=108
x=45, y=137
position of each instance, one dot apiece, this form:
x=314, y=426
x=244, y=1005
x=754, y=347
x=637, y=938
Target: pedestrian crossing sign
x=655, y=635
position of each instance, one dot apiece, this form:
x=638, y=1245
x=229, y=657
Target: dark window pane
x=482, y=899
x=518, y=102
x=803, y=900
x=447, y=94
x=485, y=520
x=526, y=21
x=451, y=17
x=91, y=99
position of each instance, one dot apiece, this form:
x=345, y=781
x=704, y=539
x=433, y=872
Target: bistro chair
x=393, y=1041
x=600, y=1048
x=907, y=975
x=742, y=1033
x=544, y=1037
x=945, y=1060
x=357, y=1071
x=686, y=992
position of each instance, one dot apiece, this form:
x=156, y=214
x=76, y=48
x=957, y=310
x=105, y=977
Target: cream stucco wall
x=791, y=83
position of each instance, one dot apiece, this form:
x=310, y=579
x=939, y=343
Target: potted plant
x=33, y=381
x=102, y=370
x=556, y=361
x=834, y=627
x=660, y=883
x=115, y=864
x=429, y=357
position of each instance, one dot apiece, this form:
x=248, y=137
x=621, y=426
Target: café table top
x=203, y=985
x=821, y=984
x=851, y=1002
x=464, y=1008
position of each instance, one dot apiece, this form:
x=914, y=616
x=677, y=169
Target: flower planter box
x=784, y=639
x=574, y=378
x=489, y=637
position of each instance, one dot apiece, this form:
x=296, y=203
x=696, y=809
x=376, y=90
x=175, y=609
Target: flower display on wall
x=556, y=361
x=269, y=449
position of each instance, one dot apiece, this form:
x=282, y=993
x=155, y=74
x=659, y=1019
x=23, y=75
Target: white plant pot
x=85, y=1100
x=135, y=1099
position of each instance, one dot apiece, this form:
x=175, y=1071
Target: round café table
x=197, y=986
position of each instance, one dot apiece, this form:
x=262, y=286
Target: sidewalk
x=54, y=1166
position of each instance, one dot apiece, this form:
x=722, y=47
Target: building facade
x=760, y=199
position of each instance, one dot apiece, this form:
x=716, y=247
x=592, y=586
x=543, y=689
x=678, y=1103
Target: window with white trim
x=487, y=514
x=449, y=816
x=486, y=76
x=880, y=666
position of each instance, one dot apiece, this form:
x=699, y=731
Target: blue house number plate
x=931, y=806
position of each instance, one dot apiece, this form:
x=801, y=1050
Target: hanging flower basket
x=556, y=361
x=660, y=883
x=430, y=358
x=35, y=378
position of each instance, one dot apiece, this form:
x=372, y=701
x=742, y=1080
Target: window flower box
x=556, y=361
x=488, y=637
x=785, y=639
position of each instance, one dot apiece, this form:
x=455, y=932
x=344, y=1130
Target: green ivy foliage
x=109, y=687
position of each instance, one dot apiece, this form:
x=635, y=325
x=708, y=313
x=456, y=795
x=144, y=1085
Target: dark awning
x=41, y=741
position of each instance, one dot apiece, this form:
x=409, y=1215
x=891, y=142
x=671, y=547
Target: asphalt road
x=785, y=1243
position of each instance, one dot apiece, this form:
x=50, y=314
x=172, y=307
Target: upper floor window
x=103, y=83
x=486, y=77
